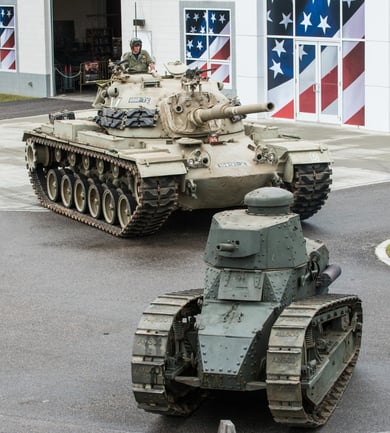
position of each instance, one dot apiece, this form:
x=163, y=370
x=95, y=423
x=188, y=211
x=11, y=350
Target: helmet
x=135, y=41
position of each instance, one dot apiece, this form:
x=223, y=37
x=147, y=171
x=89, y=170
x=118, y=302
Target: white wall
x=158, y=34
x=377, y=64
x=34, y=36
x=249, y=53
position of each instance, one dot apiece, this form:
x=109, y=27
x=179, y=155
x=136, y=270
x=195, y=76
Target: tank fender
x=161, y=167
x=300, y=153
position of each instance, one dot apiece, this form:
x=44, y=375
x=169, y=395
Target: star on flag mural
x=306, y=73
x=207, y=42
x=7, y=38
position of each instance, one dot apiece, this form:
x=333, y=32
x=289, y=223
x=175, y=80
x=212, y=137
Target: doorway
x=318, y=84
x=86, y=36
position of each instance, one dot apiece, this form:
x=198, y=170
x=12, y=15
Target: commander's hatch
x=177, y=69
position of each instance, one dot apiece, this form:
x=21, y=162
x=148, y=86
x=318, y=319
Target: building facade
x=325, y=61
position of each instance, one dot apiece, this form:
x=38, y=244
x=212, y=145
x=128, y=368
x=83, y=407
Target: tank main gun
x=200, y=116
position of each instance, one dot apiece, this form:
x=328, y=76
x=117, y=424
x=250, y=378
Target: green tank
x=264, y=321
x=156, y=144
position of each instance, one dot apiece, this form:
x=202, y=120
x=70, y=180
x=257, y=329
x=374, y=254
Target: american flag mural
x=353, y=62
x=207, y=41
x=7, y=38
x=314, y=66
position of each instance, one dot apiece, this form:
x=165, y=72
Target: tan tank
x=161, y=143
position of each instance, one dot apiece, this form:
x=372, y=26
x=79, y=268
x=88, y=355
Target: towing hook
x=191, y=188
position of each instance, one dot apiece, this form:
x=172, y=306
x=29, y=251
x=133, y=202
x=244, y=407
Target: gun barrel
x=226, y=246
x=224, y=111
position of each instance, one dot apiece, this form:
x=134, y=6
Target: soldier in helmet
x=137, y=60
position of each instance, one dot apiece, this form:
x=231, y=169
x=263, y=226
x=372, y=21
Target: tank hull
x=202, y=176
x=303, y=384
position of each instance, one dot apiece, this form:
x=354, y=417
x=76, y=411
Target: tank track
x=156, y=196
x=289, y=337
x=310, y=187
x=154, y=344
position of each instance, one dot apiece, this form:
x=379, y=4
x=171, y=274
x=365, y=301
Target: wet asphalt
x=34, y=107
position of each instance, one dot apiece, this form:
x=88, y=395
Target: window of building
x=207, y=40
x=315, y=52
x=7, y=38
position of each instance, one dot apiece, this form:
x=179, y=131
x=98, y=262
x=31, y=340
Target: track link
x=310, y=187
x=156, y=196
x=287, y=359
x=154, y=345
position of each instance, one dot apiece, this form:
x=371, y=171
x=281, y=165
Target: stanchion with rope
x=226, y=426
x=68, y=77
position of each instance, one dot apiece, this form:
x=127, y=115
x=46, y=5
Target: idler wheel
x=81, y=194
x=126, y=206
x=67, y=187
x=53, y=184
x=110, y=205
x=94, y=199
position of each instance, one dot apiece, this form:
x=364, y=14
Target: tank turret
x=264, y=320
x=159, y=143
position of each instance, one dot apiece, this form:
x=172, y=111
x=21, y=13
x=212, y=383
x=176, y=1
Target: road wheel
x=81, y=194
x=126, y=206
x=67, y=187
x=53, y=184
x=94, y=199
x=110, y=205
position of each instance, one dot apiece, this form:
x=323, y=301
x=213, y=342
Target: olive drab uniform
x=138, y=63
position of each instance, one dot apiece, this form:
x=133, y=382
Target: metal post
x=226, y=426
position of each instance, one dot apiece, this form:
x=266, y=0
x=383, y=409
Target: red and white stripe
x=353, y=71
x=7, y=48
x=220, y=72
x=7, y=59
x=220, y=48
x=353, y=84
x=283, y=99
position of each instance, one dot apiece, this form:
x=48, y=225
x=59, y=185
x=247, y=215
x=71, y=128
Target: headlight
x=198, y=159
x=271, y=157
x=263, y=155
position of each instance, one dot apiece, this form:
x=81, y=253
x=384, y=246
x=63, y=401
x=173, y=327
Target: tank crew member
x=137, y=60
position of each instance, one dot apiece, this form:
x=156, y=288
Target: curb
x=380, y=252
